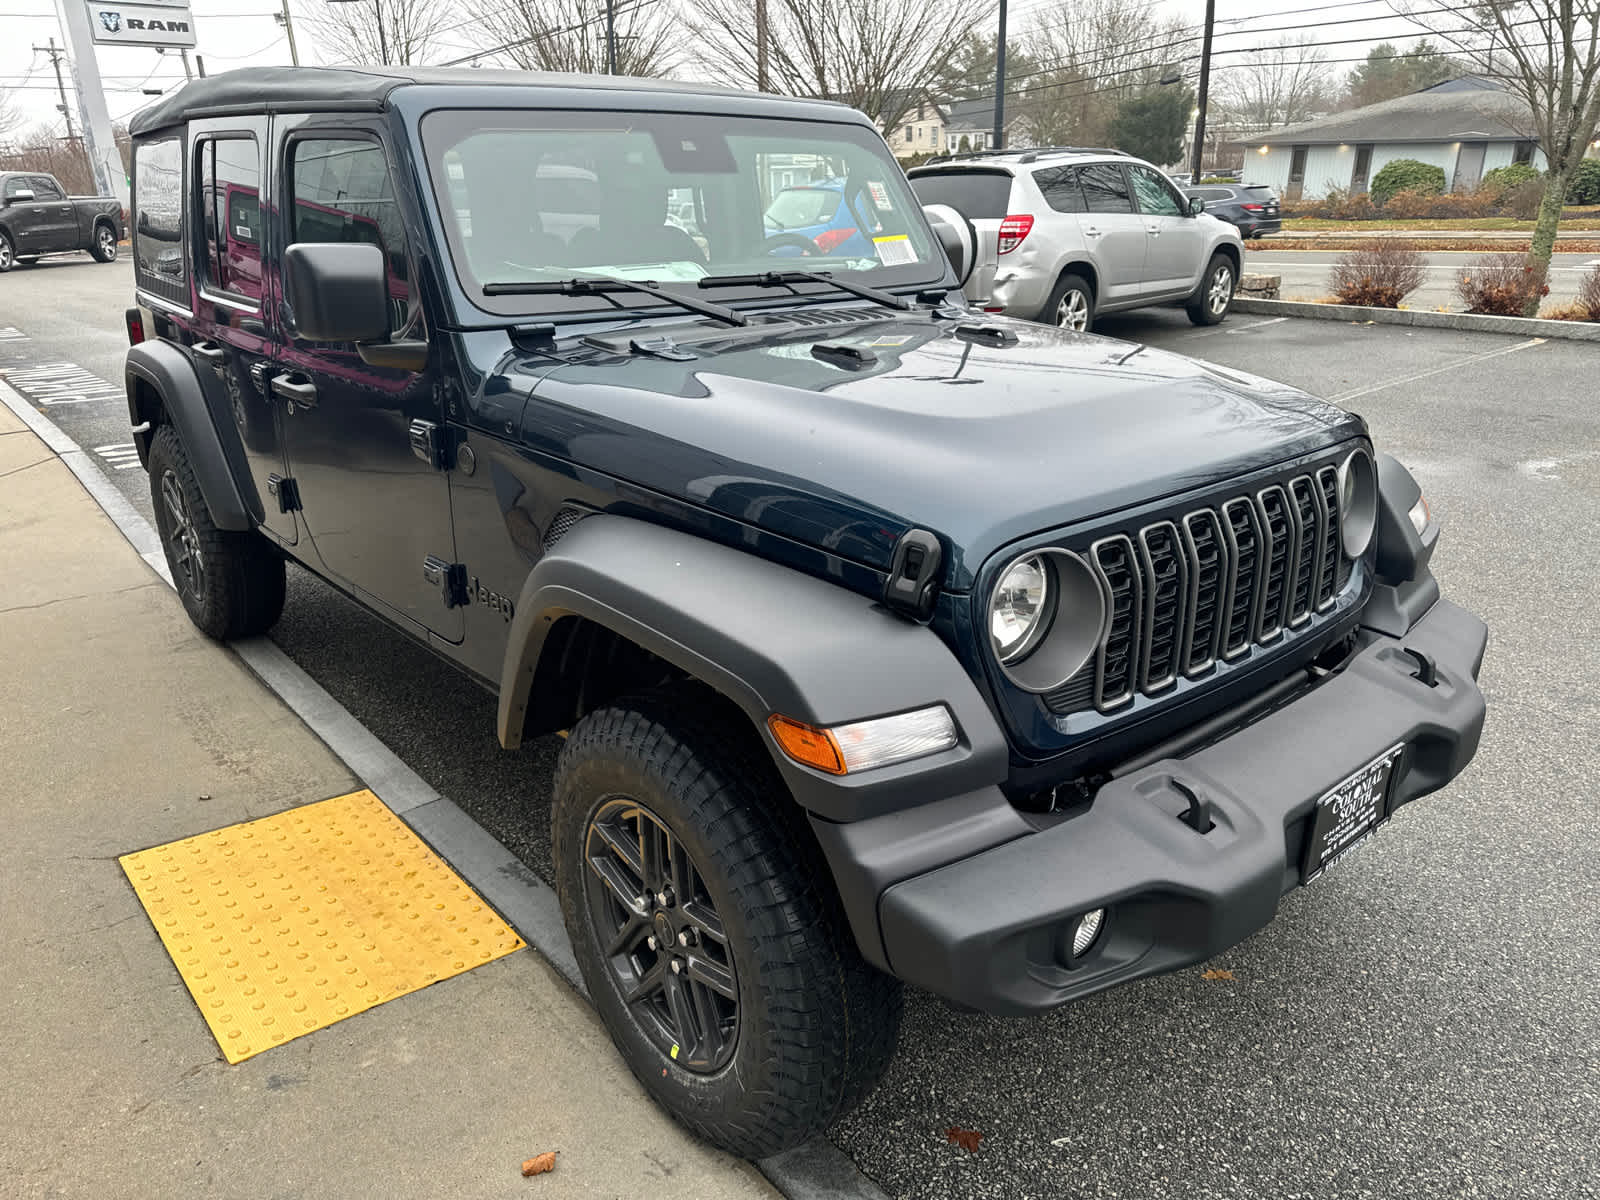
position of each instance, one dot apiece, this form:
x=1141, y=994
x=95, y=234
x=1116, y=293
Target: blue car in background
x=816, y=212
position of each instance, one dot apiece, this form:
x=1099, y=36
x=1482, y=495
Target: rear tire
x=772, y=1030
x=104, y=244
x=1071, y=305
x=231, y=583
x=8, y=252
x=1211, y=300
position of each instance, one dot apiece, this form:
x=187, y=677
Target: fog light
x=1086, y=930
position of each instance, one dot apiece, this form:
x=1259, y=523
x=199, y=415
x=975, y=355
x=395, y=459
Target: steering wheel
x=797, y=241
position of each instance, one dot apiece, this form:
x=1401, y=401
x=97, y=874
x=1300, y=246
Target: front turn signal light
x=862, y=745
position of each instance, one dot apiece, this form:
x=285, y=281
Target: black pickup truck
x=37, y=217
x=892, y=641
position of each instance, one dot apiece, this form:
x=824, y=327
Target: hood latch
x=913, y=584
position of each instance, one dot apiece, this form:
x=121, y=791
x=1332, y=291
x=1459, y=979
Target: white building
x=1466, y=126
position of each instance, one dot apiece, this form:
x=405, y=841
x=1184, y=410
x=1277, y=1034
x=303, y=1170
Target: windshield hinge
x=450, y=578
x=661, y=346
x=913, y=584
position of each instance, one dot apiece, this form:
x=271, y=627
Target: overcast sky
x=237, y=33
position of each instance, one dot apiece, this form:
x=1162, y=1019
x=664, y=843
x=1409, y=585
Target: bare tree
x=1546, y=53
x=349, y=32
x=875, y=55
x=1092, y=55
x=570, y=35
x=1285, y=83
x=11, y=118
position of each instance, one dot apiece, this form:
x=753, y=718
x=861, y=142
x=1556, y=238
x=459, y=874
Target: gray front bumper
x=986, y=930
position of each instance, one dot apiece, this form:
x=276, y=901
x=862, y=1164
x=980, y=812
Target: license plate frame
x=1349, y=813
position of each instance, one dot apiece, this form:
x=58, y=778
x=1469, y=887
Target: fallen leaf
x=1215, y=973
x=539, y=1164
x=967, y=1139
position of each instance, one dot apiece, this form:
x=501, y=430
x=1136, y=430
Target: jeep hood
x=979, y=439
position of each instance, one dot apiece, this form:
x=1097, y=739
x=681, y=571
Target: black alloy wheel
x=664, y=942
x=188, y=558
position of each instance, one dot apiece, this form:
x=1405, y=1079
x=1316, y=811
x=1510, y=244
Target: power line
x=511, y=45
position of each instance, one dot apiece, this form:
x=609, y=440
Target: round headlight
x=1358, y=502
x=1046, y=617
x=1019, y=611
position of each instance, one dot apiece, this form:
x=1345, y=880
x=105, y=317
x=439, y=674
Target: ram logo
x=112, y=21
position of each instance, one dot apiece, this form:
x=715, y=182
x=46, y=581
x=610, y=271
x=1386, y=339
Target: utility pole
x=188, y=73
x=383, y=38
x=1000, y=82
x=761, y=46
x=1205, y=89
x=611, y=37
x=287, y=22
x=55, y=52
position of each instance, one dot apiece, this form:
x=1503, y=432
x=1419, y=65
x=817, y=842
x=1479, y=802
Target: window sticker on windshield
x=895, y=250
x=880, y=195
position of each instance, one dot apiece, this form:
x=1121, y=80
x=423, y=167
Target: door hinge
x=431, y=443
x=449, y=578
x=287, y=492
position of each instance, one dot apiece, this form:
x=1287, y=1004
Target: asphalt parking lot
x=1421, y=1023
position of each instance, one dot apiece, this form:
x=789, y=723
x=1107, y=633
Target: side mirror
x=957, y=237
x=20, y=197
x=1196, y=206
x=337, y=291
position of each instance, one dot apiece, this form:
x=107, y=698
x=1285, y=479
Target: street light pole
x=1000, y=83
x=1205, y=89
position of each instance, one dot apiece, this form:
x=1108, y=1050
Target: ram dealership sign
x=149, y=24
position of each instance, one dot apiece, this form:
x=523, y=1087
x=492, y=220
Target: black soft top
x=366, y=89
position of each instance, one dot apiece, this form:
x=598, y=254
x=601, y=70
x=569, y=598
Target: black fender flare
x=169, y=372
x=770, y=639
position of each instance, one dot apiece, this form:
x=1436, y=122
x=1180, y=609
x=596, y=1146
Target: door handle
x=209, y=351
x=296, y=389
x=1091, y=231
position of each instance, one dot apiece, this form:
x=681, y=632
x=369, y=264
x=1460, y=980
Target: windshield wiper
x=600, y=287
x=790, y=278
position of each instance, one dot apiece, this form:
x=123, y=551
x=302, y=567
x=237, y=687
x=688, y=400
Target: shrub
x=1587, y=302
x=1406, y=175
x=1522, y=201
x=1379, y=277
x=1501, y=284
x=1500, y=180
x=1585, y=185
x=1410, y=204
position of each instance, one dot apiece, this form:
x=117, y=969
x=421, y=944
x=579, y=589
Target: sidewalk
x=125, y=728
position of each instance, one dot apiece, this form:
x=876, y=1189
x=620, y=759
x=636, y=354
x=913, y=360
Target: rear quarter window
x=976, y=195
x=158, y=259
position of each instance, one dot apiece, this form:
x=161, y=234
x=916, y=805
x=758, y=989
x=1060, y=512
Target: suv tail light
x=1254, y=207
x=829, y=240
x=135, y=322
x=1013, y=229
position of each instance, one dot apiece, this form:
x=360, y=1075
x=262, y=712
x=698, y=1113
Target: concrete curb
x=1465, y=235
x=1574, y=331
x=814, y=1171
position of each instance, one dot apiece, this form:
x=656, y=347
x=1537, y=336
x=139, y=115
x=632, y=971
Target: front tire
x=1071, y=305
x=231, y=583
x=1211, y=300
x=8, y=252
x=104, y=245
x=721, y=964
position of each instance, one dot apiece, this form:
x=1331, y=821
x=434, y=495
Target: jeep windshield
x=533, y=196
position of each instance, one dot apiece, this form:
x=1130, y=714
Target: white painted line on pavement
x=1468, y=361
x=10, y=333
x=122, y=456
x=810, y=1172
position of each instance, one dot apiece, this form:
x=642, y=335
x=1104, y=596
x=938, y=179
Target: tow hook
x=1427, y=672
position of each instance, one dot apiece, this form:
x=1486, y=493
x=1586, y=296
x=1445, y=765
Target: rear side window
x=976, y=195
x=795, y=208
x=1212, y=195
x=44, y=188
x=158, y=265
x=1062, y=189
x=230, y=205
x=1105, y=189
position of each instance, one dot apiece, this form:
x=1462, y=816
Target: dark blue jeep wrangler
x=893, y=641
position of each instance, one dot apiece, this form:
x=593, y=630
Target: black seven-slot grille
x=1184, y=593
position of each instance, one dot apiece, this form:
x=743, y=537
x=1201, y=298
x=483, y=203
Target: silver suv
x=1074, y=232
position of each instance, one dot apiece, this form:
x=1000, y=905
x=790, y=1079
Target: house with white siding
x=1465, y=126
x=919, y=131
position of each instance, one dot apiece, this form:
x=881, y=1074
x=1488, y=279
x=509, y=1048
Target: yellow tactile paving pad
x=290, y=923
